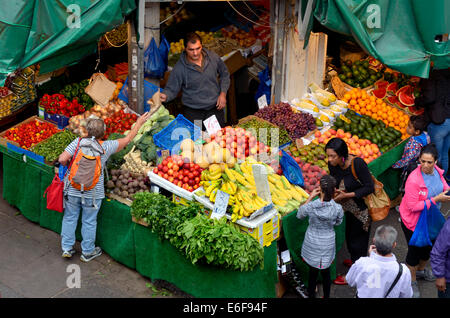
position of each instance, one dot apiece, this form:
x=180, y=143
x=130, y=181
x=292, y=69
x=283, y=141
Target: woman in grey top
x=319, y=247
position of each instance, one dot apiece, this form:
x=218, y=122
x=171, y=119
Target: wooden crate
x=4, y=141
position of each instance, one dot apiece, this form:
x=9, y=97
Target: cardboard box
x=179, y=200
x=234, y=61
x=266, y=232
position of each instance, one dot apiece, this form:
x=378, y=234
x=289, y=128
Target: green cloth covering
x=115, y=232
x=158, y=259
x=55, y=33
x=294, y=231
x=13, y=165
x=405, y=42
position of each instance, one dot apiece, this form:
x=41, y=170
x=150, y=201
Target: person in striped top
x=89, y=202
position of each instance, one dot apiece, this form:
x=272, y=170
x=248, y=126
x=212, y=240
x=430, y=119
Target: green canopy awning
x=55, y=33
x=400, y=34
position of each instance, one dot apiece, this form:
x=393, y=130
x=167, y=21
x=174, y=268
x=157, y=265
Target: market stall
x=208, y=210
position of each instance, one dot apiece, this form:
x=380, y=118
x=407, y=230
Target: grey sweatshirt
x=200, y=87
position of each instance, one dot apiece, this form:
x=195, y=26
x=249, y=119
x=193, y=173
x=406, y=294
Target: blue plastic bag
x=164, y=48
x=149, y=90
x=153, y=62
x=428, y=227
x=291, y=169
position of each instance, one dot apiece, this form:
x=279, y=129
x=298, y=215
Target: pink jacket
x=416, y=194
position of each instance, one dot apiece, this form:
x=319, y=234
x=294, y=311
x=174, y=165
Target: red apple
x=165, y=169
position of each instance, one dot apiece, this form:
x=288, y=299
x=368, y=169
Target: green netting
x=115, y=232
x=294, y=231
x=158, y=259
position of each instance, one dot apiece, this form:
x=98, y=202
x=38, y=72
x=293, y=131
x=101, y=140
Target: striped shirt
x=110, y=147
x=319, y=246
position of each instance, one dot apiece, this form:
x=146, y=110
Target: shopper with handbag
x=424, y=187
x=379, y=275
x=88, y=202
x=350, y=194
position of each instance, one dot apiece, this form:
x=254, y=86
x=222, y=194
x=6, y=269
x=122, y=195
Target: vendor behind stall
x=204, y=80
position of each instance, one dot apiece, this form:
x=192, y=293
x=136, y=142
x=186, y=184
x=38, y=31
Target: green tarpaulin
x=56, y=33
x=400, y=34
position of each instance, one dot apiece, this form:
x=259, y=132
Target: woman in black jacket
x=350, y=194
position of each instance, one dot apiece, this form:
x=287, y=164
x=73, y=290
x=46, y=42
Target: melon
x=415, y=110
x=392, y=100
x=405, y=89
x=392, y=87
x=381, y=84
x=379, y=93
x=406, y=99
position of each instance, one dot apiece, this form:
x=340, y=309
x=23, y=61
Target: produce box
x=178, y=130
x=4, y=141
x=265, y=230
x=179, y=200
x=59, y=120
x=246, y=119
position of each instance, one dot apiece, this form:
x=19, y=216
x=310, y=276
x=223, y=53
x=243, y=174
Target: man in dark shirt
x=204, y=80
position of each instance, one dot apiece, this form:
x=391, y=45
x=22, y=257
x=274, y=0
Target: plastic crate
x=149, y=90
x=59, y=120
x=179, y=129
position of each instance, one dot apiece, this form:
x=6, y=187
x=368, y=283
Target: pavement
x=31, y=266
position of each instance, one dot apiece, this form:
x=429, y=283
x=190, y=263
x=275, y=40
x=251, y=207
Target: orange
x=357, y=107
x=347, y=96
x=353, y=102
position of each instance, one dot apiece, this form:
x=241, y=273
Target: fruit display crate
x=169, y=186
x=59, y=120
x=256, y=118
x=179, y=129
x=4, y=141
x=245, y=220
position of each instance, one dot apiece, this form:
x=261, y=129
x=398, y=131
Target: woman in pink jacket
x=425, y=185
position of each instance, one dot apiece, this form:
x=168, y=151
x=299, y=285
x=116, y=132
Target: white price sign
x=212, y=125
x=262, y=101
x=220, y=205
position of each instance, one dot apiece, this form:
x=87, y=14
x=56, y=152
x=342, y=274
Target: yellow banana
x=229, y=174
x=212, y=197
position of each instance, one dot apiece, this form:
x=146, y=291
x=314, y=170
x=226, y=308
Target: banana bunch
x=213, y=173
x=246, y=202
x=239, y=183
x=285, y=196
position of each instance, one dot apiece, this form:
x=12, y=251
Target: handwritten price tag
x=220, y=205
x=262, y=101
x=212, y=125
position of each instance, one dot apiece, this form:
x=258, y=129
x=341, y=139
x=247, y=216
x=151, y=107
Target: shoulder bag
x=55, y=191
x=378, y=202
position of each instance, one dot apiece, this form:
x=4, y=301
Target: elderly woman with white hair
x=88, y=202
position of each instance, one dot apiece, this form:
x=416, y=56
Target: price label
x=261, y=181
x=165, y=153
x=299, y=143
x=262, y=101
x=212, y=125
x=220, y=205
